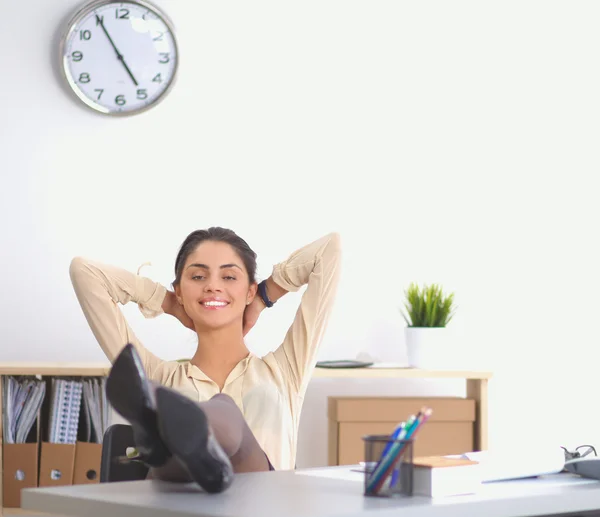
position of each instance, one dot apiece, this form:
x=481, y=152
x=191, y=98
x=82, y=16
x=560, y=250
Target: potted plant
x=427, y=312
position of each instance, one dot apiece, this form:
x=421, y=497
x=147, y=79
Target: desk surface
x=274, y=494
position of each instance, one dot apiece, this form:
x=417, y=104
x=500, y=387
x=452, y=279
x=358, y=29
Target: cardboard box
x=56, y=464
x=87, y=463
x=436, y=476
x=449, y=430
x=20, y=470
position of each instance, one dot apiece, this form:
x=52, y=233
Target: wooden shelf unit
x=398, y=373
x=45, y=370
x=477, y=387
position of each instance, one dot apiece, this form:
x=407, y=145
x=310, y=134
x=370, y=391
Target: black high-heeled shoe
x=128, y=391
x=186, y=431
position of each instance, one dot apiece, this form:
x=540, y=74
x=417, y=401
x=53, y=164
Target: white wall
x=446, y=141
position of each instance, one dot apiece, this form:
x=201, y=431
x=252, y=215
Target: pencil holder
x=388, y=466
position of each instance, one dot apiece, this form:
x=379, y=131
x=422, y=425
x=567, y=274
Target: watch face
x=119, y=58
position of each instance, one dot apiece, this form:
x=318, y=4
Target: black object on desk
x=343, y=363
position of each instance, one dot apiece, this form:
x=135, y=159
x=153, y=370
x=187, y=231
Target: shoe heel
x=129, y=394
x=126, y=387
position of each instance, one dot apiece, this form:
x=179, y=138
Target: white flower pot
x=429, y=348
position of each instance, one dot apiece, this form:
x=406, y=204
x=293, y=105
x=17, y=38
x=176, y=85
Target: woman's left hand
x=251, y=313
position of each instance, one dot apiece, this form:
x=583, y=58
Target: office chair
x=117, y=438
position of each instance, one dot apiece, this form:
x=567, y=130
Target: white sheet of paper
x=345, y=474
x=499, y=465
x=542, y=483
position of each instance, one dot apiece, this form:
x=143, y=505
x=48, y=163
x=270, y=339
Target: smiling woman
x=226, y=410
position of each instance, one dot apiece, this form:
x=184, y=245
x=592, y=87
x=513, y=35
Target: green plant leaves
x=427, y=307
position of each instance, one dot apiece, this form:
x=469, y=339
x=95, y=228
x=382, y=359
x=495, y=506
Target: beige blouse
x=268, y=390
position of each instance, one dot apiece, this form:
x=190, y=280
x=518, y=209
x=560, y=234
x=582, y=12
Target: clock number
x=85, y=35
x=99, y=20
x=122, y=14
x=120, y=100
x=77, y=56
x=84, y=77
x=100, y=92
x=141, y=94
x=164, y=57
x=157, y=79
x=159, y=37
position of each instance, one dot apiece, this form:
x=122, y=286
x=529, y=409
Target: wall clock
x=119, y=58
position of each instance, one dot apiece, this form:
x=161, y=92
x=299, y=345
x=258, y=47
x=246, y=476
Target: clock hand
x=119, y=55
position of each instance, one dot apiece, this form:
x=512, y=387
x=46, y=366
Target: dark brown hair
x=217, y=234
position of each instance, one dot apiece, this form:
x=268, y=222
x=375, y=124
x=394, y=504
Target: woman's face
x=214, y=286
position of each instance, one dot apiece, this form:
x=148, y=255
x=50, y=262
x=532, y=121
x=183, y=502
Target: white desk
x=288, y=494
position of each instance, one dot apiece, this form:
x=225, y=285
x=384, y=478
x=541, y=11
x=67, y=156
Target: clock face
x=119, y=58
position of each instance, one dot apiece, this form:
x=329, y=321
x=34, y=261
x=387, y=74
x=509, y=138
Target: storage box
x=449, y=430
x=56, y=464
x=87, y=463
x=20, y=470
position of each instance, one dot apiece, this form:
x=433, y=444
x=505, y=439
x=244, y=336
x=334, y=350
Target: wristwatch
x=262, y=291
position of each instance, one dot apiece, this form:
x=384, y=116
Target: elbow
x=77, y=267
x=331, y=253
x=334, y=244
x=335, y=240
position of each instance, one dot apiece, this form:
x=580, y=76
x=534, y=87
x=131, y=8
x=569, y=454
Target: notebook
x=65, y=407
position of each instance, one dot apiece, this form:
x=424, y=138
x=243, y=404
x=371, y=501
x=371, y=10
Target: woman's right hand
x=174, y=308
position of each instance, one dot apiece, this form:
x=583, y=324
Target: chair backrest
x=117, y=438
